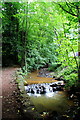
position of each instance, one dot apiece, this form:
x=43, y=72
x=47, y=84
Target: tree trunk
x=78, y=15
x=25, y=39
x=79, y=51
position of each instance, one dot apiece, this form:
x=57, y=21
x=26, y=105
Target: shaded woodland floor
x=10, y=103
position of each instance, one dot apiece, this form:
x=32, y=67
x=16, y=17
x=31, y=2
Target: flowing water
x=50, y=101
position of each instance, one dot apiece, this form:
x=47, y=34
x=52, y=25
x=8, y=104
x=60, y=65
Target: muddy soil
x=10, y=97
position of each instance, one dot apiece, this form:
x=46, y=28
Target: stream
x=47, y=94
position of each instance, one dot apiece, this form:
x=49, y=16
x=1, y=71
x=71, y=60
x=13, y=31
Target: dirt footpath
x=10, y=103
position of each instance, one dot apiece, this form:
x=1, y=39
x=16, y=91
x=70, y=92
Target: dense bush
x=54, y=66
x=71, y=79
x=68, y=73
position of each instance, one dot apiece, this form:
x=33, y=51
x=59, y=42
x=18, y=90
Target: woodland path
x=10, y=103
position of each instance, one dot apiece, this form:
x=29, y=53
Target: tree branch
x=67, y=10
x=69, y=6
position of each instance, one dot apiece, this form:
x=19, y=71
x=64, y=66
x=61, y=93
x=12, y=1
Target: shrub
x=54, y=66
x=71, y=79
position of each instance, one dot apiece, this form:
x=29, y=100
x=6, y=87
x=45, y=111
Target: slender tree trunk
x=79, y=51
x=25, y=39
x=26, y=36
x=78, y=15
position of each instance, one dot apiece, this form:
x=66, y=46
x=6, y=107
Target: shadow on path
x=10, y=103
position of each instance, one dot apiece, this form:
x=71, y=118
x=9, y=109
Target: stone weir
x=44, y=88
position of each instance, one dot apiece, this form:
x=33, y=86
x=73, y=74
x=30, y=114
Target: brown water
x=33, y=78
x=56, y=101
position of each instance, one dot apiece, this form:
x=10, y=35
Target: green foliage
x=71, y=79
x=67, y=71
x=69, y=74
x=40, y=33
x=53, y=66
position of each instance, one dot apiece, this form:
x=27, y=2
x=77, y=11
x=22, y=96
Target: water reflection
x=51, y=102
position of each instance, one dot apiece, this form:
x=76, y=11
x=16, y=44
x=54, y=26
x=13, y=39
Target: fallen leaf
x=66, y=116
x=32, y=108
